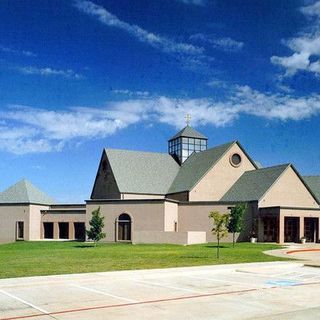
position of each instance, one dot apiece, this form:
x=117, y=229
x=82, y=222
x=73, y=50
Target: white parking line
x=169, y=287
x=227, y=281
x=103, y=293
x=23, y=301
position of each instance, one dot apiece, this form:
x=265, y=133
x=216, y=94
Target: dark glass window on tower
x=186, y=142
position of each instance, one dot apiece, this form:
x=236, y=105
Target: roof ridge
x=207, y=150
x=242, y=189
x=230, y=144
x=192, y=133
x=136, y=151
x=221, y=145
x=211, y=163
x=285, y=165
x=315, y=175
x=25, y=181
x=24, y=191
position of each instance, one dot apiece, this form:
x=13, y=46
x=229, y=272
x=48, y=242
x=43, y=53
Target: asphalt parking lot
x=276, y=290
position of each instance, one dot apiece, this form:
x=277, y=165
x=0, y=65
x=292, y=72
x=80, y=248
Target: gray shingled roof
x=196, y=166
x=252, y=185
x=188, y=132
x=313, y=182
x=142, y=172
x=24, y=192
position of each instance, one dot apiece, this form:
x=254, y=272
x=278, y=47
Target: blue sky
x=77, y=76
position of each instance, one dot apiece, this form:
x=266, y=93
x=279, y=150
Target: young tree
x=220, y=223
x=236, y=219
x=96, y=226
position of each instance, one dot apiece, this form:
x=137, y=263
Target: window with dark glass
x=20, y=230
x=236, y=159
x=124, y=227
x=48, y=230
x=183, y=147
x=63, y=230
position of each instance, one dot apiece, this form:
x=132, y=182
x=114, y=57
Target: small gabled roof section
x=313, y=182
x=190, y=133
x=196, y=166
x=252, y=185
x=142, y=172
x=24, y=192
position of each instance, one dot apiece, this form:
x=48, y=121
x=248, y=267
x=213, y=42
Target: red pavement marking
x=129, y=304
x=149, y=302
x=302, y=250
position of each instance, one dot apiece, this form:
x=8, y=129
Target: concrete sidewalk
x=273, y=290
x=309, y=253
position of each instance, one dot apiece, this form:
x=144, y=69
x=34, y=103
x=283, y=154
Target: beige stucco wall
x=196, y=218
x=105, y=186
x=62, y=216
x=288, y=191
x=146, y=215
x=140, y=196
x=9, y=215
x=221, y=177
x=35, y=221
x=169, y=237
x=301, y=214
x=170, y=216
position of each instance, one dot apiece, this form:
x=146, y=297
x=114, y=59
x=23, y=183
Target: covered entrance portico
x=282, y=224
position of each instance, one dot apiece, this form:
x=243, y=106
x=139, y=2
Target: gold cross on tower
x=188, y=118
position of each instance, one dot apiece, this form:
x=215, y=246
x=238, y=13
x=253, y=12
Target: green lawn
x=21, y=259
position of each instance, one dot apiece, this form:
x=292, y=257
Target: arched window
x=124, y=227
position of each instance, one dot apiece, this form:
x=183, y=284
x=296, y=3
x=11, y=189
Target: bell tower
x=185, y=142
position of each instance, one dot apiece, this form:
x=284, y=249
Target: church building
x=149, y=197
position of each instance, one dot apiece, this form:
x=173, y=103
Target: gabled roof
x=24, y=192
x=196, y=166
x=188, y=132
x=142, y=172
x=252, y=185
x=313, y=182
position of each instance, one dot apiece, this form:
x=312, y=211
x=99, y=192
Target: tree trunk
x=218, y=249
x=233, y=240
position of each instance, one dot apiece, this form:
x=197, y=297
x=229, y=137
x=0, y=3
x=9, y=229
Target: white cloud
x=131, y=93
x=217, y=83
x=194, y=2
x=19, y=52
x=28, y=130
x=225, y=43
x=276, y=106
x=50, y=72
x=154, y=40
x=312, y=10
x=305, y=48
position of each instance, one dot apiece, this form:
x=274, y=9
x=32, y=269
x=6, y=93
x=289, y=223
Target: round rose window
x=235, y=159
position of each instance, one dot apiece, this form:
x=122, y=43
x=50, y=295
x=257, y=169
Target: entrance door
x=48, y=230
x=20, y=230
x=270, y=229
x=291, y=229
x=311, y=229
x=63, y=230
x=80, y=231
x=124, y=227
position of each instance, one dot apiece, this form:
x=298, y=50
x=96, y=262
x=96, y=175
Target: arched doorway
x=124, y=227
